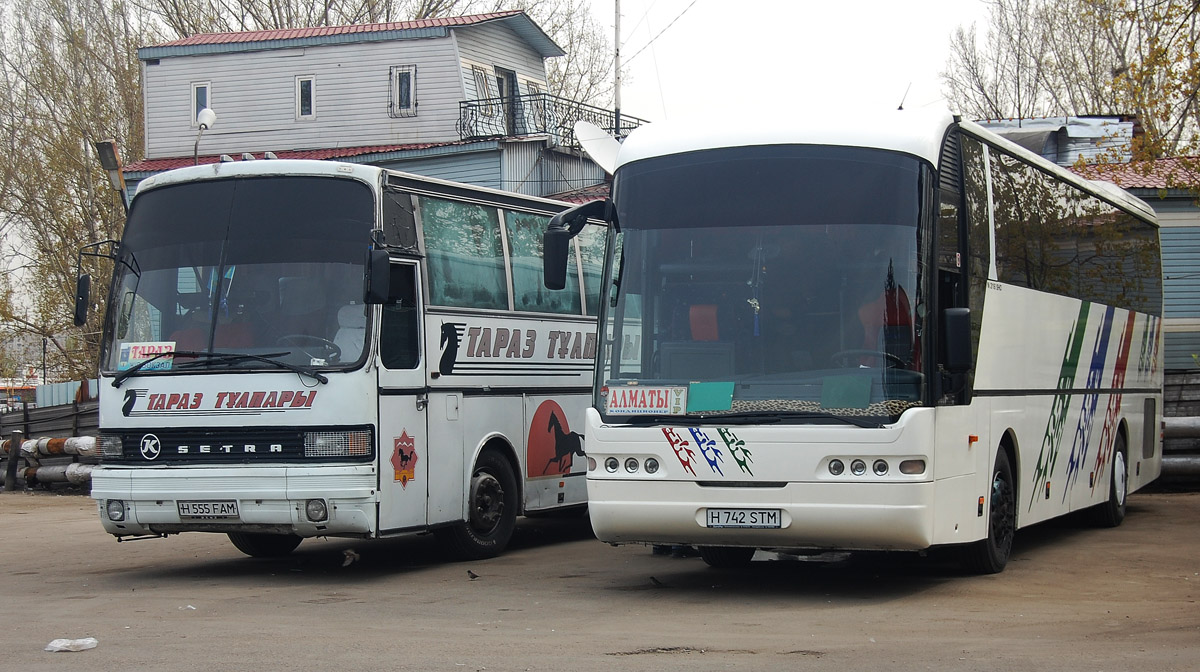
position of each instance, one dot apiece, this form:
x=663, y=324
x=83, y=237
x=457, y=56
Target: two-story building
x=461, y=98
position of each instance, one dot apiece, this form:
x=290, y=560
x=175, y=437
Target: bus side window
x=399, y=338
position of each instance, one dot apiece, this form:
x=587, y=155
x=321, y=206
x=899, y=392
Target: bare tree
x=69, y=76
x=1081, y=57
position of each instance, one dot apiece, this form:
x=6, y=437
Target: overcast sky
x=731, y=56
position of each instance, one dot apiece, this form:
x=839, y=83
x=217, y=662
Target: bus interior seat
x=237, y=335
x=887, y=325
x=300, y=300
x=352, y=331
x=704, y=356
x=702, y=319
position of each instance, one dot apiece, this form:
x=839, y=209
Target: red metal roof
x=1174, y=173
x=170, y=163
x=324, y=31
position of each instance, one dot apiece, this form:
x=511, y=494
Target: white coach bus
x=895, y=333
x=307, y=348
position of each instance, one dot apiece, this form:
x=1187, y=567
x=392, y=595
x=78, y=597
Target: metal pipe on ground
x=74, y=473
x=86, y=446
x=1181, y=466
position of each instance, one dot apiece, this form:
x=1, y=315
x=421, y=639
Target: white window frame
x=194, y=111
x=485, y=88
x=394, y=108
x=312, y=94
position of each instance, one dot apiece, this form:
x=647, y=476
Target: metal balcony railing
x=535, y=114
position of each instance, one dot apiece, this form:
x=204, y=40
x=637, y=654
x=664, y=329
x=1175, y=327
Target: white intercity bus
x=307, y=348
x=896, y=333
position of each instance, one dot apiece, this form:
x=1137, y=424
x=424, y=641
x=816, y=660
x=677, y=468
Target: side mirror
x=83, y=290
x=556, y=242
x=378, y=277
x=556, y=249
x=956, y=335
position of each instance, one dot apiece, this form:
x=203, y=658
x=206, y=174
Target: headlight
x=316, y=510
x=337, y=444
x=611, y=465
x=880, y=467
x=115, y=509
x=651, y=465
x=111, y=446
x=858, y=467
x=836, y=467
x=631, y=465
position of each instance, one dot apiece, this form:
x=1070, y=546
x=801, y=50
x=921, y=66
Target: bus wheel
x=258, y=545
x=1111, y=512
x=726, y=557
x=491, y=511
x=990, y=554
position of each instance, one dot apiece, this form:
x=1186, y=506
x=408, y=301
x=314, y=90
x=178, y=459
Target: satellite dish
x=598, y=144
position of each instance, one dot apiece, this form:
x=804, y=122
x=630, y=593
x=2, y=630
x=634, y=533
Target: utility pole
x=617, y=70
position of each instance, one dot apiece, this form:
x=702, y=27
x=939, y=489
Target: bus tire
x=258, y=545
x=726, y=557
x=491, y=511
x=1111, y=512
x=990, y=554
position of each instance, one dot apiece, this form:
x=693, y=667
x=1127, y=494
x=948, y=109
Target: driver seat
x=352, y=331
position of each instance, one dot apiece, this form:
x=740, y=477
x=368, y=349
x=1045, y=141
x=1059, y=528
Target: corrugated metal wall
x=1179, y=218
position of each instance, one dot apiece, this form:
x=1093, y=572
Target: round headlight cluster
x=879, y=467
x=632, y=465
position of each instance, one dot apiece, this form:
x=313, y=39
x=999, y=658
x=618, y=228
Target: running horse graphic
x=566, y=445
x=450, y=340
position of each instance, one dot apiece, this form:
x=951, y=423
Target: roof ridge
x=269, y=34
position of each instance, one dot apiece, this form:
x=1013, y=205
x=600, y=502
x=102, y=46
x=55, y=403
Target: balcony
x=536, y=114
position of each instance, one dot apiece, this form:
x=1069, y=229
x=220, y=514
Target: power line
x=660, y=33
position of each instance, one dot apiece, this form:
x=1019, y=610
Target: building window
x=536, y=104
x=306, y=97
x=404, y=91
x=201, y=98
x=485, y=89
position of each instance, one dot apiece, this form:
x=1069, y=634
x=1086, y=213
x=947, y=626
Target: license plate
x=761, y=518
x=211, y=510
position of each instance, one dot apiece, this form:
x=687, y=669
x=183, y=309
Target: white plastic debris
x=72, y=644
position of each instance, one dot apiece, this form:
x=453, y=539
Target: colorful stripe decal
x=1109, y=433
x=1048, y=456
x=1083, y=430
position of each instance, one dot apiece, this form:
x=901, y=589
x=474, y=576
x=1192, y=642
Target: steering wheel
x=844, y=357
x=331, y=351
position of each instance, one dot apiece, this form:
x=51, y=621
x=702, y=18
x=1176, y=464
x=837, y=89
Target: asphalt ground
x=1072, y=598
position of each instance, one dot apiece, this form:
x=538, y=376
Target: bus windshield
x=766, y=281
x=267, y=267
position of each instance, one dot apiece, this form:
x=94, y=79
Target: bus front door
x=403, y=424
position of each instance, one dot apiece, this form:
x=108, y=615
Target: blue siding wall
x=480, y=168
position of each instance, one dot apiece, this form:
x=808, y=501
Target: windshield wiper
x=229, y=358
x=138, y=367
x=752, y=418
